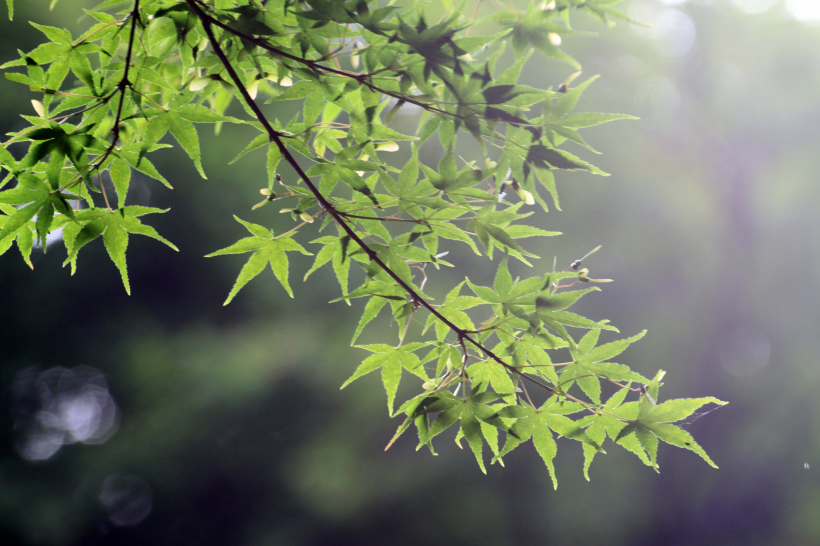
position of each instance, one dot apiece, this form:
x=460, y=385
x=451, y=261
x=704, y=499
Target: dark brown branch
x=123, y=84
x=363, y=79
x=382, y=218
x=328, y=207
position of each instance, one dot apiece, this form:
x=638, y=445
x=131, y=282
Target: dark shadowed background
x=165, y=418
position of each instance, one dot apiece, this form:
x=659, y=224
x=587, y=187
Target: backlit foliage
x=483, y=355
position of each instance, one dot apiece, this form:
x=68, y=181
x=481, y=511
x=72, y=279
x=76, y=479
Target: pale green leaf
x=610, y=350
x=678, y=437
x=273, y=159
x=503, y=279
x=248, y=244
x=255, y=229
x=22, y=216
x=589, y=119
x=322, y=257
x=676, y=410
x=279, y=264
x=371, y=310
x=260, y=140
x=546, y=447
x=391, y=374
x=121, y=178
x=185, y=133
x=115, y=239
x=371, y=363
x=254, y=266
x=471, y=429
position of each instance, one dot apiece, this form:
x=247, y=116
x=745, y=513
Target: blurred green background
x=184, y=422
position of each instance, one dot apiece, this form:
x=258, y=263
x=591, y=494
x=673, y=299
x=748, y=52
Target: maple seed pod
x=38, y=107
x=522, y=193
x=197, y=84
x=261, y=204
x=306, y=217
x=266, y=191
x=490, y=163
x=286, y=81
x=564, y=87
x=253, y=88
x=388, y=146
x=354, y=55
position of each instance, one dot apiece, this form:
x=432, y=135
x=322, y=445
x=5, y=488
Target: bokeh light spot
x=672, y=30
x=804, y=10
x=660, y=96
x=675, y=33
x=745, y=351
x=755, y=6
x=127, y=499
x=61, y=406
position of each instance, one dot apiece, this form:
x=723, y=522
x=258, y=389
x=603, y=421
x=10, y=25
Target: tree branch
x=276, y=138
x=361, y=78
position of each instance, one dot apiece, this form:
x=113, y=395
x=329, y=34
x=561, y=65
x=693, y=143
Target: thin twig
x=276, y=138
x=363, y=79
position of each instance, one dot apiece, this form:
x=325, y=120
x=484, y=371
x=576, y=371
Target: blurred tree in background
x=225, y=433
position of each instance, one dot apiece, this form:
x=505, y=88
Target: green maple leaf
x=474, y=412
x=453, y=310
x=335, y=250
x=640, y=426
x=267, y=249
x=24, y=235
x=512, y=294
x=39, y=199
x=654, y=424
x=180, y=119
x=590, y=364
x=539, y=424
x=391, y=360
x=114, y=227
x=605, y=422
x=375, y=305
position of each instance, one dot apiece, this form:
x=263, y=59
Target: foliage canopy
x=147, y=68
